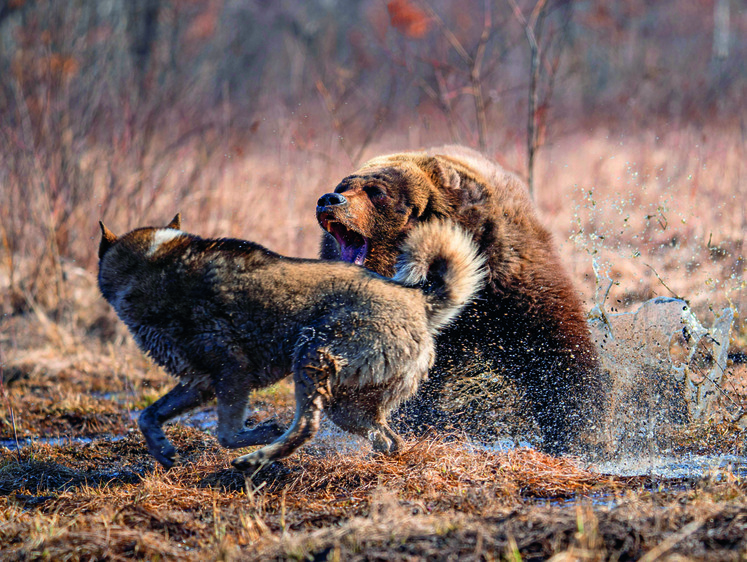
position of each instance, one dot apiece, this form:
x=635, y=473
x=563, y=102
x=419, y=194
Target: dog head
x=125, y=258
x=370, y=212
x=108, y=238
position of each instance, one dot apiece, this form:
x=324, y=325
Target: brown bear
x=527, y=324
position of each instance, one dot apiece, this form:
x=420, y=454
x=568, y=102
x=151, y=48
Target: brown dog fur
x=228, y=316
x=526, y=324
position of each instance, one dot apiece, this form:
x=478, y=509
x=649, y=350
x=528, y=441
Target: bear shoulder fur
x=527, y=324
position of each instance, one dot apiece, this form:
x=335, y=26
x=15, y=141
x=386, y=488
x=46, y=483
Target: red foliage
x=203, y=25
x=408, y=19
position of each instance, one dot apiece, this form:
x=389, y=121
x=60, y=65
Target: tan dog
x=527, y=323
x=228, y=316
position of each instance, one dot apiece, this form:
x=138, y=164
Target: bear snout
x=331, y=199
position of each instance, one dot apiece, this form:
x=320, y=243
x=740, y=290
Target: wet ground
x=76, y=482
x=106, y=499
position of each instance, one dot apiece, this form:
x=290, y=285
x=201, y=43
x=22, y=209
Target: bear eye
x=375, y=192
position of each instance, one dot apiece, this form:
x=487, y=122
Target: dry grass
x=440, y=498
x=70, y=371
x=106, y=500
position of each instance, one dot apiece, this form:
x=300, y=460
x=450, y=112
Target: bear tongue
x=354, y=254
x=353, y=245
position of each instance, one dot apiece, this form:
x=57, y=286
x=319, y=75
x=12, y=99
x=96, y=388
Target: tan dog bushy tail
x=443, y=260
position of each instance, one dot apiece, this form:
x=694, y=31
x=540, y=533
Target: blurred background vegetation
x=240, y=113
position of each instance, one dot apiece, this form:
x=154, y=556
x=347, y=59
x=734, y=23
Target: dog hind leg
x=360, y=413
x=384, y=439
x=182, y=398
x=232, y=391
x=312, y=392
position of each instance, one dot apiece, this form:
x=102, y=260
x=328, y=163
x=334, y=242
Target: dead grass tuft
x=108, y=498
x=649, y=209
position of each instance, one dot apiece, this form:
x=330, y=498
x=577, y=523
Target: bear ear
x=443, y=189
x=108, y=239
x=434, y=170
x=176, y=222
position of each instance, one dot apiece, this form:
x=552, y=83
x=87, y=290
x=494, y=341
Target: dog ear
x=176, y=222
x=108, y=238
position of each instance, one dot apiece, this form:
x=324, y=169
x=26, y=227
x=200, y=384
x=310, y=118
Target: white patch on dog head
x=160, y=237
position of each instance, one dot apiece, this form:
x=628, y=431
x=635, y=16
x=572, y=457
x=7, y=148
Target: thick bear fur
x=527, y=324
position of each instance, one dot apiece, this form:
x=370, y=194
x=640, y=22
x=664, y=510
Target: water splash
x=18, y=444
x=665, y=369
x=674, y=466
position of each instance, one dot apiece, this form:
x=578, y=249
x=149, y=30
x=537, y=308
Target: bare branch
x=475, y=79
x=530, y=28
x=450, y=37
x=474, y=65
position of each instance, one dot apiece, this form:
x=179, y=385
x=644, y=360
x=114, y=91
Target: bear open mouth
x=353, y=245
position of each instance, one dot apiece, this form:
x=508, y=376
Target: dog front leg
x=180, y=399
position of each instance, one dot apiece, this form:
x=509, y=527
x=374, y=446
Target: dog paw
x=163, y=451
x=271, y=428
x=386, y=445
x=381, y=444
x=166, y=458
x=250, y=463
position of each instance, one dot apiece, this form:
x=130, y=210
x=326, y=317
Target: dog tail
x=443, y=260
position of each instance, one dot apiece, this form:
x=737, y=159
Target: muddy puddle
x=14, y=445
x=687, y=466
x=670, y=465
x=666, y=371
x=331, y=439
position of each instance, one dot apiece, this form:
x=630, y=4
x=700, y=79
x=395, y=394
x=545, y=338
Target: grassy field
x=240, y=115
x=95, y=493
x=661, y=215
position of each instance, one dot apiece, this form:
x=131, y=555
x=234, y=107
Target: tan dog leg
x=309, y=404
x=361, y=413
x=384, y=439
